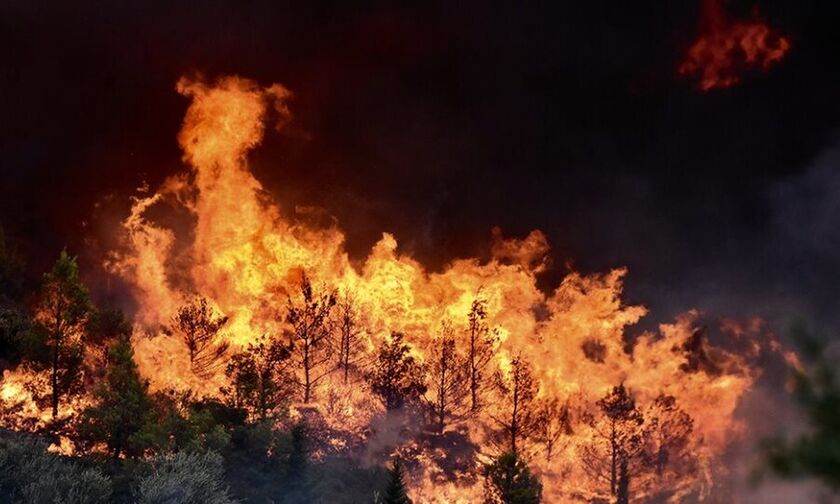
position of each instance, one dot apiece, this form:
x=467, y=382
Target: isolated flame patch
x=729, y=48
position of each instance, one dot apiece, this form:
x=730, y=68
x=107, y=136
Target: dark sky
x=441, y=121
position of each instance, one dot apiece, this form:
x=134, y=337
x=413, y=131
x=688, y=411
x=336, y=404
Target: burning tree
x=200, y=326
x=397, y=378
x=311, y=330
x=259, y=381
x=448, y=379
x=482, y=341
x=350, y=332
x=62, y=311
x=667, y=436
x=517, y=390
x=619, y=439
x=553, y=420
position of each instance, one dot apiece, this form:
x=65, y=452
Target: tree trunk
x=57, y=339
x=306, y=380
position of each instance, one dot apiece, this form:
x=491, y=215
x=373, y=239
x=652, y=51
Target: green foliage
x=106, y=325
x=259, y=382
x=509, y=481
x=178, y=423
x=29, y=474
x=15, y=328
x=397, y=378
x=124, y=406
x=298, y=465
x=62, y=311
x=395, y=491
x=185, y=478
x=817, y=391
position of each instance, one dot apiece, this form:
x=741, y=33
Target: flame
x=726, y=49
x=245, y=255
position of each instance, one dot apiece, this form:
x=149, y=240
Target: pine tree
x=259, y=381
x=62, y=312
x=397, y=378
x=481, y=341
x=297, y=466
x=124, y=404
x=311, y=331
x=507, y=480
x=200, y=328
x=517, y=390
x=448, y=380
x=395, y=491
x=350, y=332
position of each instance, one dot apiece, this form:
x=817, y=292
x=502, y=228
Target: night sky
x=441, y=121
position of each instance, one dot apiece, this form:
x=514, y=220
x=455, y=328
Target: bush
x=28, y=473
x=185, y=478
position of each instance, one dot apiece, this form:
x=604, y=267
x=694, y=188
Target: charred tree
x=668, y=449
x=515, y=415
x=619, y=437
x=310, y=334
x=62, y=312
x=350, y=331
x=200, y=327
x=482, y=341
x=447, y=379
x=397, y=378
x=553, y=421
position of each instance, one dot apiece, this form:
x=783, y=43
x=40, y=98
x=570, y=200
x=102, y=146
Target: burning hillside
x=477, y=359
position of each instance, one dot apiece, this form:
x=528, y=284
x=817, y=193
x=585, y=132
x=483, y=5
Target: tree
x=517, y=390
x=259, y=382
x=667, y=438
x=11, y=273
x=107, y=325
x=507, y=480
x=395, y=491
x=618, y=437
x=311, y=330
x=200, y=328
x=482, y=342
x=553, y=420
x=448, y=379
x=816, y=389
x=350, y=332
x=623, y=491
x=62, y=311
x=123, y=404
x=397, y=378
x=298, y=465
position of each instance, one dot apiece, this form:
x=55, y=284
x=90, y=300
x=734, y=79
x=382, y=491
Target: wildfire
x=247, y=259
x=726, y=49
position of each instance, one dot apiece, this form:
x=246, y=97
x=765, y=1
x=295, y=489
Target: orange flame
x=727, y=49
x=245, y=256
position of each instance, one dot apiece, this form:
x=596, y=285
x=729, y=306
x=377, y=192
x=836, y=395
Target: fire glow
x=727, y=49
x=248, y=259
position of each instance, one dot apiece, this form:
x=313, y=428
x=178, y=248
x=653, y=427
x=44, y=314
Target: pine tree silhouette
x=395, y=491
